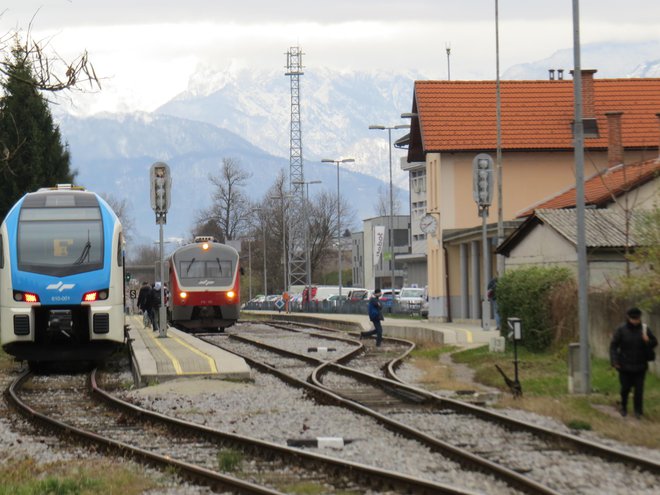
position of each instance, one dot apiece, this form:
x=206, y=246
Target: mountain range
x=245, y=115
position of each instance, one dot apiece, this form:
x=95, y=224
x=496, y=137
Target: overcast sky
x=147, y=49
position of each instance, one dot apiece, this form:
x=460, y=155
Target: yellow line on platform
x=203, y=355
x=175, y=361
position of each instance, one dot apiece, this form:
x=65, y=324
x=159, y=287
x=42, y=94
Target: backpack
x=154, y=298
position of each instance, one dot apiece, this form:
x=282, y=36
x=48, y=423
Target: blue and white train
x=61, y=277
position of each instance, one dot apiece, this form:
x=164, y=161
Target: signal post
x=161, y=186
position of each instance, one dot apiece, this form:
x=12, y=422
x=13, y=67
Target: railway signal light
x=482, y=180
x=161, y=186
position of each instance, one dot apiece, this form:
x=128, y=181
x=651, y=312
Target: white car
x=412, y=298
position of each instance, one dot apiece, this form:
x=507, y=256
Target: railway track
x=464, y=431
x=75, y=405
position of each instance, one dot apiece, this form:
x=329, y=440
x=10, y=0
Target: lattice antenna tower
x=297, y=257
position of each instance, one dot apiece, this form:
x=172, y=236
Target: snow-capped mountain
x=612, y=60
x=336, y=110
x=113, y=154
x=245, y=114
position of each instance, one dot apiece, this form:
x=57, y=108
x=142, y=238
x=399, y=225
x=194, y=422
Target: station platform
x=157, y=359
x=462, y=334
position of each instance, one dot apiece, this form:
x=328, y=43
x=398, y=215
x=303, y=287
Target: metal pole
x=283, y=248
x=162, y=314
x=583, y=314
x=263, y=230
x=485, y=304
x=391, y=236
x=308, y=267
x=498, y=158
x=250, y=266
x=339, y=228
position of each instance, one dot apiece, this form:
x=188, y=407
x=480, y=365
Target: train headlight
x=205, y=246
x=96, y=295
x=27, y=297
x=231, y=294
x=183, y=295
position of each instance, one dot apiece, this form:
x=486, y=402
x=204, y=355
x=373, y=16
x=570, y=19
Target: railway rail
x=455, y=428
x=72, y=408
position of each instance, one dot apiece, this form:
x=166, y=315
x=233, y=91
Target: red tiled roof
x=601, y=188
x=460, y=115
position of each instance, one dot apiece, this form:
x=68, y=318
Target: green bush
x=524, y=293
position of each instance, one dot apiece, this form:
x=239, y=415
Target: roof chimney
x=614, y=144
x=588, y=108
x=560, y=74
x=551, y=74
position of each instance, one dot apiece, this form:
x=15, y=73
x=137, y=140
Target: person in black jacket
x=375, y=315
x=142, y=302
x=629, y=350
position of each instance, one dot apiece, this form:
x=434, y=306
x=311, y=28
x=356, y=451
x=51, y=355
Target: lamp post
x=391, y=228
x=345, y=160
x=308, y=260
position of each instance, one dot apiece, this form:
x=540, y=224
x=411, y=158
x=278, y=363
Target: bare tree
x=382, y=205
x=52, y=73
x=231, y=206
x=49, y=73
x=144, y=255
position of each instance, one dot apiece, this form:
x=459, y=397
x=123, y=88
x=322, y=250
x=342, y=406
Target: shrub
x=525, y=293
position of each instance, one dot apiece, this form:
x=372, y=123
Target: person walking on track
x=375, y=316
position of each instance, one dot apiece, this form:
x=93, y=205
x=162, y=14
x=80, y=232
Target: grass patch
x=229, y=460
x=431, y=351
x=25, y=477
x=544, y=380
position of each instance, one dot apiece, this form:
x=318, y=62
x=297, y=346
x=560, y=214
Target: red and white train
x=204, y=283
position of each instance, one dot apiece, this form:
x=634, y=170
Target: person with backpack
x=375, y=316
x=142, y=303
x=153, y=304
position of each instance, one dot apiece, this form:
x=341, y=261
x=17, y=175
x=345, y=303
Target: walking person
x=142, y=303
x=375, y=316
x=153, y=304
x=492, y=297
x=630, y=350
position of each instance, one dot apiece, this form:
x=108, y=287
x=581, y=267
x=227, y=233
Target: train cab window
x=2, y=254
x=60, y=241
x=199, y=269
x=120, y=250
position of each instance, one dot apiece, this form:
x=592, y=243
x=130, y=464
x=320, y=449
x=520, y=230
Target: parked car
x=388, y=297
x=412, y=298
x=336, y=298
x=358, y=295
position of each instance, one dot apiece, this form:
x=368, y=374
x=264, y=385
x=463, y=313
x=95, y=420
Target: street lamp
x=308, y=260
x=391, y=234
x=345, y=160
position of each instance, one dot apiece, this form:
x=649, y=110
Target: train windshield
x=194, y=271
x=60, y=241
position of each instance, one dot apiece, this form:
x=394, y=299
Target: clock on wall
x=428, y=224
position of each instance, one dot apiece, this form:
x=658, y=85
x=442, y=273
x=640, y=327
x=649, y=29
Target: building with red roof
x=456, y=120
